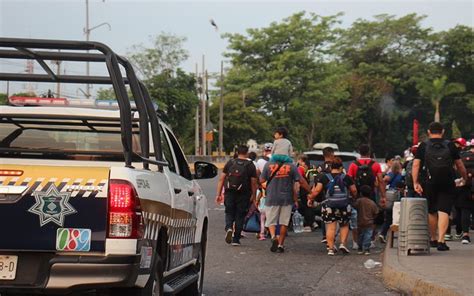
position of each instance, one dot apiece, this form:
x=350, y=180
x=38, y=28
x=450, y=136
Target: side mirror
x=204, y=170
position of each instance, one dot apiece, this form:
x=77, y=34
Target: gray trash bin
x=413, y=229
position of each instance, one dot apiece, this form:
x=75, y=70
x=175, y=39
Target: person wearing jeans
x=367, y=210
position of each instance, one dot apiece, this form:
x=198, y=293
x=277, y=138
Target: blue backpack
x=337, y=195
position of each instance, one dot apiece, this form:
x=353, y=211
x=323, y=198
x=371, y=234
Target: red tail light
x=124, y=213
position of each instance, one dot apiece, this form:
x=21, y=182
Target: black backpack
x=364, y=175
x=439, y=163
x=237, y=179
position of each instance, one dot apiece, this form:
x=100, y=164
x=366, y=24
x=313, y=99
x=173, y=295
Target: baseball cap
x=268, y=146
x=461, y=141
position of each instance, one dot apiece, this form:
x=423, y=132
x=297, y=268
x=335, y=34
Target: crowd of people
x=356, y=201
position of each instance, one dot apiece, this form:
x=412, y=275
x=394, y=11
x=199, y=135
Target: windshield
x=63, y=138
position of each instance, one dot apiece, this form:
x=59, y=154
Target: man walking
x=239, y=180
x=438, y=156
x=280, y=181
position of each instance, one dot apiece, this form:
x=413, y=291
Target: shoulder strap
x=357, y=163
x=371, y=163
x=330, y=177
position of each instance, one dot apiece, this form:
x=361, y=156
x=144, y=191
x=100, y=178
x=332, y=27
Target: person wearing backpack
x=366, y=171
x=336, y=207
x=439, y=157
x=392, y=179
x=239, y=180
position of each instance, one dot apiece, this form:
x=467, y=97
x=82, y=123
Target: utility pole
x=87, y=31
x=58, y=72
x=203, y=114
x=221, y=112
x=208, y=116
x=196, y=129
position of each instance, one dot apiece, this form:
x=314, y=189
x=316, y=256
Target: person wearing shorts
x=335, y=216
x=279, y=180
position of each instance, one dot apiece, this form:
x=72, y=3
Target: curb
x=397, y=277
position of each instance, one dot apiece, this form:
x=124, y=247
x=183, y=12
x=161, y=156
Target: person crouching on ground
x=336, y=208
x=367, y=211
x=279, y=179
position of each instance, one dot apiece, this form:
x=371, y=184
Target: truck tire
x=154, y=286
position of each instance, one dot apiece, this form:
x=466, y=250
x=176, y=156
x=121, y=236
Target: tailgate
x=53, y=208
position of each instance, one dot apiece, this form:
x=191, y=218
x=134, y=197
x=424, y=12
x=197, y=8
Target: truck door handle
x=177, y=190
x=190, y=193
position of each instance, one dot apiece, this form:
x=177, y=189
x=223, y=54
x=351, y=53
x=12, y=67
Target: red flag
x=415, y=132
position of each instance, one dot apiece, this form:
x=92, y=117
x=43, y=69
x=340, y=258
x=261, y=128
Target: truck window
x=63, y=139
x=167, y=154
x=180, y=158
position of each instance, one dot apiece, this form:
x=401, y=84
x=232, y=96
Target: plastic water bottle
x=298, y=222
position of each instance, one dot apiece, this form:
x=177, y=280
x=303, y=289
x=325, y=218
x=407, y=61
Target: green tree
x=456, y=133
x=166, y=53
x=3, y=99
x=177, y=99
x=105, y=94
x=437, y=90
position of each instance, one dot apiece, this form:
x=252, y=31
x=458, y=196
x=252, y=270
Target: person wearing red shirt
x=365, y=159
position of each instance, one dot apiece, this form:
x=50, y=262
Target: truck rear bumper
x=48, y=272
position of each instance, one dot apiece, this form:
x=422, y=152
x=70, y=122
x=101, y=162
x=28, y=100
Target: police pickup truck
x=95, y=199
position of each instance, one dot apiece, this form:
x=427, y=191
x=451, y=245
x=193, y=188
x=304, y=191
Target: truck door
x=183, y=228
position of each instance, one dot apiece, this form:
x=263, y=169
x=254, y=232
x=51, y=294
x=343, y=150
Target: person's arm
x=314, y=192
x=254, y=187
x=304, y=184
x=462, y=170
x=353, y=191
x=414, y=173
x=220, y=185
x=387, y=179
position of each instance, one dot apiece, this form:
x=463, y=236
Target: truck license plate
x=8, y=267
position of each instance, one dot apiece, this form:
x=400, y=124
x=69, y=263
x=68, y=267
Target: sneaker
x=355, y=246
x=367, y=253
x=324, y=240
x=315, y=225
x=228, y=236
x=443, y=247
x=433, y=243
x=235, y=242
x=281, y=249
x=331, y=252
x=307, y=229
x=458, y=236
x=262, y=237
x=382, y=239
x=448, y=237
x=465, y=240
x=274, y=246
x=360, y=252
x=372, y=244
x=344, y=249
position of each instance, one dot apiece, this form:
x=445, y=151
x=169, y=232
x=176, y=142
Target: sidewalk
x=439, y=273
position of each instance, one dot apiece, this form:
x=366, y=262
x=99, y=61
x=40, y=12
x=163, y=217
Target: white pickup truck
x=93, y=198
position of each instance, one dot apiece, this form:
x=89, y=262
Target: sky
x=134, y=22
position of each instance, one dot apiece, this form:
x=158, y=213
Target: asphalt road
x=304, y=268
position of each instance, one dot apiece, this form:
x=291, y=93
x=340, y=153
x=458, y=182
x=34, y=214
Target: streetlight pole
x=196, y=128
x=221, y=112
x=87, y=31
x=203, y=109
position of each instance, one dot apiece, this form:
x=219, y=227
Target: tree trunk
x=437, y=116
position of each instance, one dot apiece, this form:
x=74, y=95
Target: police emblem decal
x=52, y=206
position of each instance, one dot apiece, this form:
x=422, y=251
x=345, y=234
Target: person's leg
x=443, y=223
x=262, y=224
x=387, y=222
x=465, y=220
x=284, y=220
x=445, y=203
x=353, y=227
x=458, y=220
x=367, y=239
x=330, y=234
x=433, y=225
x=230, y=210
x=344, y=232
x=242, y=207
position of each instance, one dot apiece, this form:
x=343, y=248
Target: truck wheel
x=154, y=286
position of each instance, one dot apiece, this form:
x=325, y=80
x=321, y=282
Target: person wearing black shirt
x=439, y=193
